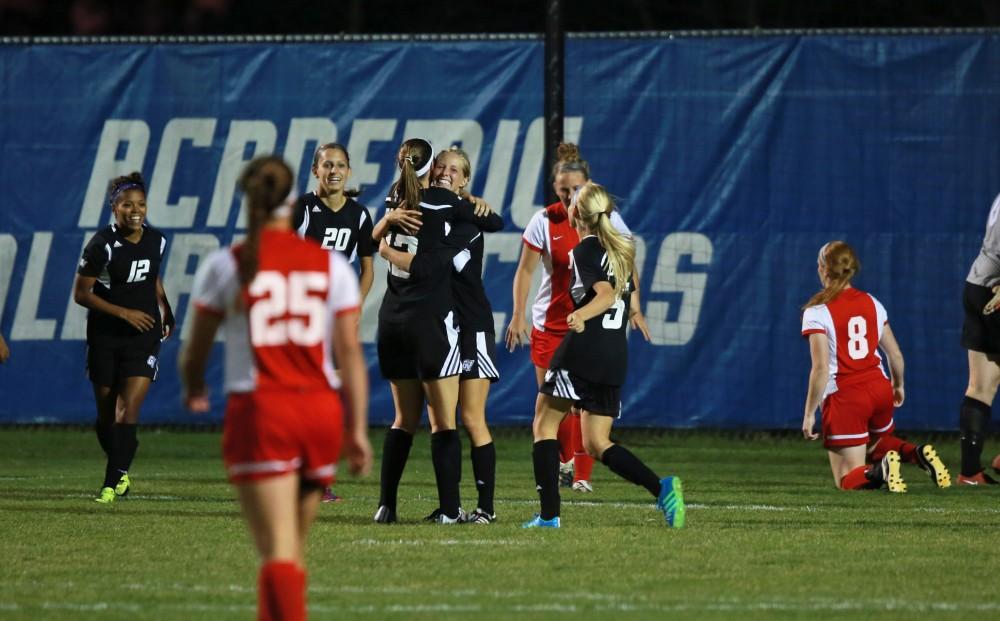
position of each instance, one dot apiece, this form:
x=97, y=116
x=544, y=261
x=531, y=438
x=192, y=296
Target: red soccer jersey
x=550, y=234
x=291, y=305
x=289, y=310
x=853, y=323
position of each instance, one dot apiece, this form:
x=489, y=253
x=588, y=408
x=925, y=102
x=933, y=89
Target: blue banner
x=734, y=160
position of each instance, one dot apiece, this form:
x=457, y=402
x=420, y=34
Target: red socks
x=583, y=464
x=565, y=436
x=855, y=479
x=281, y=592
x=907, y=452
x=571, y=447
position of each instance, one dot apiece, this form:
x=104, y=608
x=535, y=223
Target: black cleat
x=385, y=515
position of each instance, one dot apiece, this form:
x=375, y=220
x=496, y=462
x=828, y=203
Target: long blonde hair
x=839, y=264
x=593, y=208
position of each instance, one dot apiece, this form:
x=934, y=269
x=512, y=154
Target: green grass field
x=768, y=537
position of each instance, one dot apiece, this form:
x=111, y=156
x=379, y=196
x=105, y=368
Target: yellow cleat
x=124, y=485
x=107, y=496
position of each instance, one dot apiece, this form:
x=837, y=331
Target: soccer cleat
x=566, y=474
x=538, y=522
x=928, y=459
x=583, y=486
x=330, y=496
x=671, y=502
x=479, y=517
x=385, y=515
x=980, y=478
x=433, y=516
x=124, y=485
x=107, y=496
x=442, y=518
x=887, y=472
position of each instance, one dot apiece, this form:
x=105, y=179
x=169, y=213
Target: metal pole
x=554, y=77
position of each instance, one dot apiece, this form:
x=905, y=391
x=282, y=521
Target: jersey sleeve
x=366, y=247
x=466, y=212
x=619, y=224
x=215, y=283
x=96, y=255
x=812, y=321
x=586, y=259
x=534, y=234
x=345, y=295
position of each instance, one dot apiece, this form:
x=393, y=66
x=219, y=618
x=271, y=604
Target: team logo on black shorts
x=151, y=362
x=467, y=365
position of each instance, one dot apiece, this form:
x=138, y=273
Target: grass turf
x=768, y=537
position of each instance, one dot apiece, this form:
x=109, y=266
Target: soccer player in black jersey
x=418, y=339
x=588, y=368
x=331, y=216
x=118, y=281
x=452, y=170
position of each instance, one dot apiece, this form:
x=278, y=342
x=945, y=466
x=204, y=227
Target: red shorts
x=543, y=345
x=277, y=432
x=858, y=414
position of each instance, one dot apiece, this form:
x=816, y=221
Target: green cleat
x=124, y=485
x=107, y=496
x=671, y=502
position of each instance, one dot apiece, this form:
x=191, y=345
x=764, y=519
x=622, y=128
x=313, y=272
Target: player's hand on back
x=407, y=220
x=575, y=323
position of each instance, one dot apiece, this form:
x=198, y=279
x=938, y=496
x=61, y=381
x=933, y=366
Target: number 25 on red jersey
x=288, y=308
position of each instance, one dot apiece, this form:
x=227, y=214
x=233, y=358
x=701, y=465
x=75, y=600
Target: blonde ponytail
x=594, y=207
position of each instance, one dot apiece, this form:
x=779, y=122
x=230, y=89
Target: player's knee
x=595, y=447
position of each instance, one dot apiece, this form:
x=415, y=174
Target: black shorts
x=423, y=348
x=479, y=356
x=979, y=332
x=110, y=365
x=600, y=399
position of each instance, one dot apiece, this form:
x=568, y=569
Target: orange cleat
x=980, y=478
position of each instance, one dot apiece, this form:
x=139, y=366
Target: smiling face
x=566, y=183
x=130, y=210
x=451, y=171
x=332, y=169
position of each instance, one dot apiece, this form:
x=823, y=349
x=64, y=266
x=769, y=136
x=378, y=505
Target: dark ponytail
x=266, y=182
x=414, y=159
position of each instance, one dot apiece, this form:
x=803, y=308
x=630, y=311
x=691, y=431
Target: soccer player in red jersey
x=845, y=328
x=548, y=239
x=288, y=309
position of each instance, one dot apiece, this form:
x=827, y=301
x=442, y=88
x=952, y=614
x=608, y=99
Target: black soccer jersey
x=600, y=353
x=410, y=293
x=126, y=275
x=464, y=254
x=347, y=230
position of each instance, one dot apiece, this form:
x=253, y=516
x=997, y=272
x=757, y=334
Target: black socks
x=974, y=417
x=545, y=456
x=629, y=467
x=395, y=452
x=103, y=436
x=484, y=469
x=446, y=454
x=123, y=447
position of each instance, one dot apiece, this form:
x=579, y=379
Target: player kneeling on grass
x=588, y=368
x=845, y=327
